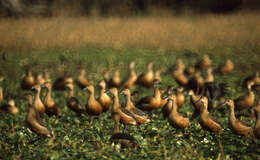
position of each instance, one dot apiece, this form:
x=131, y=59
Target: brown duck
x=209, y=77
x=206, y=121
x=227, y=67
x=257, y=123
x=236, y=125
x=34, y=121
x=37, y=103
x=28, y=81
x=60, y=83
x=139, y=115
x=180, y=78
x=115, y=80
x=168, y=106
x=131, y=78
x=146, y=79
x=39, y=79
x=72, y=102
x=104, y=99
x=180, y=97
x=9, y=107
x=176, y=119
x=247, y=100
x=1, y=90
x=204, y=63
x=82, y=80
x=50, y=105
x=93, y=107
x=120, y=114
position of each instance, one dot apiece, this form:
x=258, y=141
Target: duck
x=176, y=119
x=146, y=79
x=72, y=102
x=139, y=115
x=164, y=100
x=149, y=103
x=131, y=78
x=257, y=122
x=180, y=77
x=245, y=101
x=189, y=71
x=47, y=77
x=104, y=99
x=204, y=63
x=227, y=67
x=9, y=107
x=82, y=80
x=180, y=97
x=166, y=109
x=194, y=101
x=180, y=65
x=120, y=114
x=237, y=126
x=157, y=75
x=50, y=105
x=39, y=79
x=34, y=121
x=93, y=107
x=1, y=90
x=60, y=83
x=254, y=78
x=115, y=80
x=207, y=121
x=209, y=77
x=28, y=81
x=37, y=103
x=200, y=80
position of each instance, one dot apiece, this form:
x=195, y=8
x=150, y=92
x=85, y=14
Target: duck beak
x=224, y=103
x=107, y=91
x=199, y=100
x=86, y=88
x=33, y=89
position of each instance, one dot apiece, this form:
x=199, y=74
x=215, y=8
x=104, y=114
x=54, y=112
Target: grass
x=75, y=137
x=160, y=33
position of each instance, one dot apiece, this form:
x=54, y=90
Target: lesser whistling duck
x=180, y=78
x=34, y=121
x=9, y=107
x=190, y=70
x=131, y=78
x=176, y=119
x=28, y=81
x=157, y=75
x=194, y=101
x=204, y=63
x=93, y=107
x=82, y=80
x=180, y=65
x=50, y=105
x=164, y=100
x=47, y=77
x=149, y=103
x=180, y=97
x=257, y=123
x=120, y=114
x=37, y=103
x=60, y=83
x=146, y=79
x=72, y=102
x=139, y=115
x=206, y=120
x=227, y=67
x=236, y=125
x=168, y=106
x=247, y=100
x=1, y=90
x=200, y=80
x=104, y=99
x=115, y=80
x=39, y=79
x=209, y=77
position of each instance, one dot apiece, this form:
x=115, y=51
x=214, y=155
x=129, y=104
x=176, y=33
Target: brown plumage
x=190, y=70
x=209, y=77
x=131, y=78
x=93, y=107
x=179, y=65
x=1, y=90
x=146, y=79
x=200, y=80
x=47, y=77
x=194, y=101
x=257, y=123
x=180, y=97
x=227, y=67
x=34, y=121
x=206, y=120
x=139, y=115
x=236, y=125
x=9, y=107
x=120, y=114
x=115, y=80
x=72, y=102
x=149, y=103
x=28, y=81
x=204, y=63
x=104, y=99
x=82, y=80
x=168, y=106
x=176, y=119
x=50, y=105
x=245, y=101
x=37, y=103
x=39, y=79
x=180, y=78
x=60, y=83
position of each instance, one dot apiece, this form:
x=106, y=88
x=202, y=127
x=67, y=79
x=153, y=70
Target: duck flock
x=133, y=110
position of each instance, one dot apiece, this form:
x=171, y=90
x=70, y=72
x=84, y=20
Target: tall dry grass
x=174, y=32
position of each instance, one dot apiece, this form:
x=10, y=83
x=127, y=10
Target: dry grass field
x=167, y=32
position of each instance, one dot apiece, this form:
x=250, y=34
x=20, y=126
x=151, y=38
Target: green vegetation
x=75, y=137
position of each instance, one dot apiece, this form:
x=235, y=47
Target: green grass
x=75, y=137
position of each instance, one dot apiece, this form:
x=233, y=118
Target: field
x=93, y=47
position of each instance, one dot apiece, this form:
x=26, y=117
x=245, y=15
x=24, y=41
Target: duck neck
x=116, y=102
x=174, y=108
x=128, y=101
x=232, y=113
x=92, y=95
x=257, y=124
x=102, y=91
x=71, y=92
x=48, y=96
x=37, y=96
x=157, y=93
